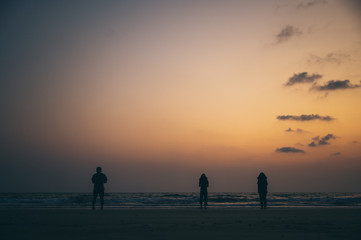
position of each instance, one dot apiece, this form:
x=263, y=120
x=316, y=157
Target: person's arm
x=93, y=179
x=266, y=186
x=105, y=179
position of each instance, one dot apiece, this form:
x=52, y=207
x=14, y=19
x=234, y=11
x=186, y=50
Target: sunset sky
x=159, y=92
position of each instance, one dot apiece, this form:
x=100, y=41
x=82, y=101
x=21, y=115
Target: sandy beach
x=250, y=223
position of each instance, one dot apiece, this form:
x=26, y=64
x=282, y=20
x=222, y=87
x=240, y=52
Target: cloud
x=302, y=77
x=310, y=4
x=335, y=154
x=287, y=32
x=289, y=150
x=316, y=138
x=312, y=144
x=317, y=141
x=325, y=139
x=335, y=85
x=305, y=117
x=334, y=57
x=354, y=142
x=298, y=130
x=321, y=142
x=324, y=96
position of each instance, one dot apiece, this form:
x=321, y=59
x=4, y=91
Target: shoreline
x=2, y=208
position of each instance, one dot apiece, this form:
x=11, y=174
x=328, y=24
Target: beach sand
x=237, y=223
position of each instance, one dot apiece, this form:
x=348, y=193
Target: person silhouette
x=98, y=180
x=203, y=184
x=262, y=189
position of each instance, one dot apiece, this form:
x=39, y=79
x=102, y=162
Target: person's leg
x=101, y=195
x=200, y=198
x=265, y=201
x=101, y=202
x=94, y=199
x=205, y=198
x=261, y=200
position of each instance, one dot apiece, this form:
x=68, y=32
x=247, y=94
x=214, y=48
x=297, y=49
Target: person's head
x=99, y=169
x=203, y=175
x=262, y=175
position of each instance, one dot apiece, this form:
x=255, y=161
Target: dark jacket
x=99, y=179
x=262, y=183
x=203, y=182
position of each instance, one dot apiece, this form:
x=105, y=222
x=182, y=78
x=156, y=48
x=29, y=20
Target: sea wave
x=169, y=200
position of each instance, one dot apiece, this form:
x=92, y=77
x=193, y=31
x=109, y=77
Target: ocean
x=179, y=200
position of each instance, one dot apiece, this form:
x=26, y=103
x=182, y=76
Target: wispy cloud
x=324, y=140
x=289, y=150
x=335, y=85
x=287, y=32
x=305, y=117
x=317, y=141
x=316, y=138
x=312, y=144
x=310, y=4
x=298, y=130
x=302, y=77
x=335, y=154
x=334, y=57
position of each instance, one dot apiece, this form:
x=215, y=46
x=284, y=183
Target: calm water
x=176, y=200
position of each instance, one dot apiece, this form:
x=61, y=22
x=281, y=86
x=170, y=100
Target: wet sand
x=238, y=223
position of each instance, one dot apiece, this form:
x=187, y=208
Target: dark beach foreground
x=246, y=223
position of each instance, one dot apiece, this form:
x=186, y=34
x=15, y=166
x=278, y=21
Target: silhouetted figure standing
x=203, y=184
x=262, y=189
x=98, y=180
